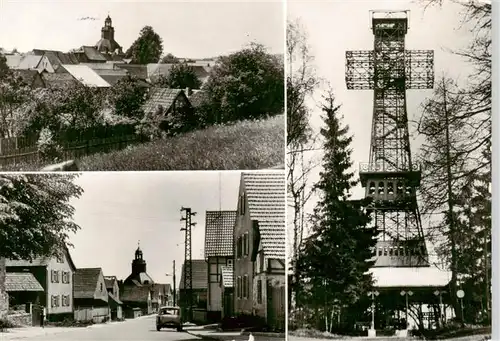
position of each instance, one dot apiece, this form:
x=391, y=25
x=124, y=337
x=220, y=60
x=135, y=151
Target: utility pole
x=188, y=269
x=175, y=292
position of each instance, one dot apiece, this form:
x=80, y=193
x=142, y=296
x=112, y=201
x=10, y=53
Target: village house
x=25, y=296
x=91, y=296
x=218, y=253
x=115, y=305
x=55, y=275
x=163, y=103
x=259, y=237
x=199, y=284
x=31, y=78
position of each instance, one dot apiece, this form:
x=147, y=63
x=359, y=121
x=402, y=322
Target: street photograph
x=389, y=170
x=142, y=256
x=141, y=86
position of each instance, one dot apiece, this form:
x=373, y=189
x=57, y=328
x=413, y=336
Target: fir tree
x=337, y=255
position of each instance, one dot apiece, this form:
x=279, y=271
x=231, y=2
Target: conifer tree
x=334, y=263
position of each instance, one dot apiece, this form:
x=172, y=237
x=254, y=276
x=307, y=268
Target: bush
x=48, y=148
x=6, y=324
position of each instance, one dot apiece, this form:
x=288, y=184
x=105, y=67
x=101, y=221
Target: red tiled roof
x=219, y=226
x=200, y=274
x=266, y=199
x=21, y=281
x=85, y=282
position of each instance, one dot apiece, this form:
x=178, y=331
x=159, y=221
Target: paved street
x=141, y=329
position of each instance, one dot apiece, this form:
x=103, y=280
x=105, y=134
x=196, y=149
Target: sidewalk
x=236, y=336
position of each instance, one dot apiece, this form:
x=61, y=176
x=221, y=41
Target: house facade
x=91, y=296
x=199, y=290
x=55, y=274
x=115, y=304
x=218, y=253
x=259, y=237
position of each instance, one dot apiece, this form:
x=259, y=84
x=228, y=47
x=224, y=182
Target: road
x=141, y=329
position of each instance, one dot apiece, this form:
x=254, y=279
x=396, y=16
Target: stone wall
x=20, y=319
x=4, y=298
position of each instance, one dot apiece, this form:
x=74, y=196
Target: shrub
x=5, y=324
x=48, y=148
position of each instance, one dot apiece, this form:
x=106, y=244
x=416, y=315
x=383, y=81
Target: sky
x=338, y=26
x=118, y=209
x=194, y=29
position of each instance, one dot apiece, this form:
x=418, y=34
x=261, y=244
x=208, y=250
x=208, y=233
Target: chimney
x=188, y=92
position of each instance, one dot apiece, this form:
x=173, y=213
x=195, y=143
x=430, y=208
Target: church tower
x=107, y=43
x=138, y=264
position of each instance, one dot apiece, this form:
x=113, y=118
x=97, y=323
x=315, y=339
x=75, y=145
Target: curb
x=274, y=335
x=203, y=337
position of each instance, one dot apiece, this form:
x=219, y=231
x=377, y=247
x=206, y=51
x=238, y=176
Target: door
x=36, y=315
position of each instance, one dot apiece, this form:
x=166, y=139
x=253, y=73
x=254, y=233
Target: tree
x=246, y=85
x=181, y=76
x=15, y=96
x=146, y=49
x=451, y=169
x=127, y=97
x=170, y=59
x=301, y=82
x=335, y=259
x=35, y=217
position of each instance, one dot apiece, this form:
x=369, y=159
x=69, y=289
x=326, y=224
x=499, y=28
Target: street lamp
x=440, y=293
x=406, y=294
x=373, y=294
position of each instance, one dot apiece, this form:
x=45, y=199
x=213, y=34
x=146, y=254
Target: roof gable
x=219, y=227
x=163, y=97
x=85, y=282
x=266, y=201
x=200, y=274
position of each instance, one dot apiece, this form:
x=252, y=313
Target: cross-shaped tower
x=390, y=177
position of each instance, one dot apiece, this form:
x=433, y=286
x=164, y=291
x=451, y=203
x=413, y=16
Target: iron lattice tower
x=390, y=178
x=188, y=268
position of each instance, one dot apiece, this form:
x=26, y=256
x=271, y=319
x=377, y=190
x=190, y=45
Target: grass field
x=242, y=145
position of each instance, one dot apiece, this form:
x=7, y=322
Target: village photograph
x=142, y=256
x=389, y=170
x=139, y=86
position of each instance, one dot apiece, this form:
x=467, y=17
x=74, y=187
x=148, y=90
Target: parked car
x=169, y=317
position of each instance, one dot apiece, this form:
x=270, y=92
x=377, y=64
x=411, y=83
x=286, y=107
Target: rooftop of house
x=266, y=198
x=137, y=70
x=85, y=282
x=86, y=75
x=131, y=293
x=57, y=80
x=38, y=261
x=227, y=276
x=200, y=274
x=163, y=97
x=109, y=280
x=21, y=281
x=219, y=233
x=198, y=97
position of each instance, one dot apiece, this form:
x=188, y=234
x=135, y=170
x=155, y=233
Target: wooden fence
x=71, y=150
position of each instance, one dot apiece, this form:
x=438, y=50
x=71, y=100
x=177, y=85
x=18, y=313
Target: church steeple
x=108, y=31
x=138, y=264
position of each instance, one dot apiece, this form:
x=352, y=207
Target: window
x=245, y=244
x=245, y=286
x=242, y=204
x=261, y=262
x=65, y=277
x=238, y=287
x=229, y=262
x=54, y=276
x=54, y=301
x=259, y=291
x=101, y=287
